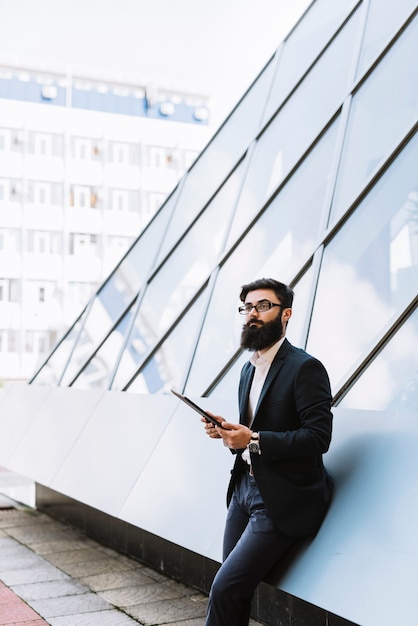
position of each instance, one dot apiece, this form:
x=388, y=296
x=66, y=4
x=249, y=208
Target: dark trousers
x=251, y=547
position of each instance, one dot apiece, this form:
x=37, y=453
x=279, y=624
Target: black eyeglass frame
x=246, y=309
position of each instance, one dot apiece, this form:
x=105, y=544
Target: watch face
x=253, y=446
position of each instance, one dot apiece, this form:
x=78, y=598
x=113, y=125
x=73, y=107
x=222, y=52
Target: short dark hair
x=283, y=292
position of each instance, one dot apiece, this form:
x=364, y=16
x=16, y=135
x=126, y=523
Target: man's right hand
x=210, y=428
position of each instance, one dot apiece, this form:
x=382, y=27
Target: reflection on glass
x=167, y=367
x=301, y=120
x=108, y=305
x=303, y=46
x=219, y=158
x=391, y=380
x=119, y=290
x=383, y=20
x=134, y=269
x=96, y=374
x=189, y=265
x=382, y=112
x=294, y=218
x=228, y=385
x=110, y=302
x=369, y=269
x=50, y=373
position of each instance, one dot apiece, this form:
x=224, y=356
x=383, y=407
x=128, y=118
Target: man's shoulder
x=295, y=354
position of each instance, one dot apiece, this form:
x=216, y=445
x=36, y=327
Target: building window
x=83, y=243
x=81, y=197
x=44, y=242
x=82, y=148
x=8, y=290
x=119, y=200
x=162, y=158
x=36, y=342
x=4, y=139
x=43, y=144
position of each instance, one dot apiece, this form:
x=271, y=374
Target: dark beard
x=261, y=337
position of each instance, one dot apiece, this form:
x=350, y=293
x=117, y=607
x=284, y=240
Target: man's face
x=263, y=328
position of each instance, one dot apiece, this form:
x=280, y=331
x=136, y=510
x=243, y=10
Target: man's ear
x=287, y=314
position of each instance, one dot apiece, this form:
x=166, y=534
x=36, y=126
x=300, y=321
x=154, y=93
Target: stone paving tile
x=12, y=518
x=69, y=557
x=49, y=589
x=111, y=617
x=88, y=568
x=36, y=532
x=60, y=545
x=116, y=580
x=70, y=605
x=166, y=611
x=38, y=572
x=14, y=611
x=9, y=546
x=129, y=596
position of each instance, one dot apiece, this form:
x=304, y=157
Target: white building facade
x=84, y=165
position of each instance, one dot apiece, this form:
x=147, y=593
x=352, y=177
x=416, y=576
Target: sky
x=211, y=47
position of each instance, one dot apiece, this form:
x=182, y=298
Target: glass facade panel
x=96, y=374
x=383, y=20
x=220, y=157
x=295, y=217
x=52, y=370
x=303, y=45
x=302, y=118
x=369, y=270
x=168, y=365
x=136, y=266
x=190, y=263
x=382, y=112
x=119, y=291
x=391, y=380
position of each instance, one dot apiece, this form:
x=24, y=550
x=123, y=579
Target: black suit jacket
x=294, y=419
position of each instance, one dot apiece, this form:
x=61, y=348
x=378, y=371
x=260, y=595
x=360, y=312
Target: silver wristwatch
x=254, y=445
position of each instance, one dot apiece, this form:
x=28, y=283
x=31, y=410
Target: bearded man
x=279, y=489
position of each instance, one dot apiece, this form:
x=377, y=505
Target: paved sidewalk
x=52, y=574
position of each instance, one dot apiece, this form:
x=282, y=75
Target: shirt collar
x=268, y=355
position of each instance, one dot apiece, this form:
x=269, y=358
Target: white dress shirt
x=262, y=363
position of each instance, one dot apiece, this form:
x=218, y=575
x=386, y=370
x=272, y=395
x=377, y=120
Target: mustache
x=253, y=321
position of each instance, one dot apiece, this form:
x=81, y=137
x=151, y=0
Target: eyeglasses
x=260, y=307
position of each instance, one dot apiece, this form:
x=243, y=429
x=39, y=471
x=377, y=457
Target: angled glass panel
x=168, y=365
x=108, y=305
x=51, y=371
x=304, y=44
x=189, y=265
x=259, y=254
x=297, y=214
x=220, y=157
x=369, y=270
x=301, y=119
x=135, y=267
x=96, y=374
x=383, y=20
x=382, y=112
x=390, y=383
x=119, y=290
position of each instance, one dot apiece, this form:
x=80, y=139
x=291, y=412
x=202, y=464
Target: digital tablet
x=197, y=408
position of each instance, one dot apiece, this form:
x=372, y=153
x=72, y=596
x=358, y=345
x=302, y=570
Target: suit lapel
x=245, y=385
